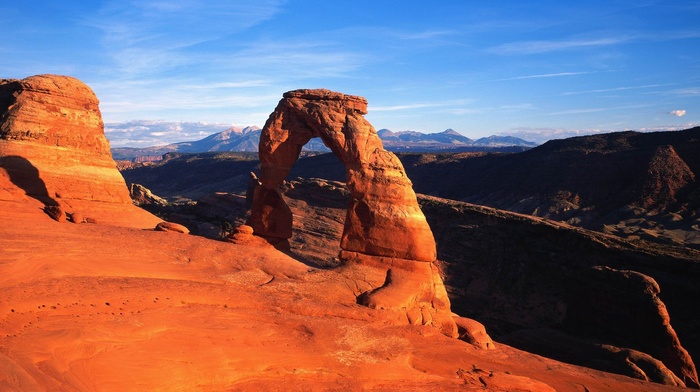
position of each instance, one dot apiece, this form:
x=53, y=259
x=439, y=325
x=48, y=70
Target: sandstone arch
x=383, y=217
x=387, y=245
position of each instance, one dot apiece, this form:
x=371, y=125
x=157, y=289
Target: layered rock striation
x=53, y=149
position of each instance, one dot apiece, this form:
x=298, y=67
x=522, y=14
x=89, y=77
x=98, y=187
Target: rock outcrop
x=633, y=315
x=141, y=195
x=384, y=226
x=171, y=226
x=53, y=148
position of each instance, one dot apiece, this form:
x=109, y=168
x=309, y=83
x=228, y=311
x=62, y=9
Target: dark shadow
x=25, y=176
x=315, y=263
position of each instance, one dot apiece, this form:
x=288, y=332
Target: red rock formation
x=172, y=226
x=53, y=147
x=383, y=216
x=384, y=225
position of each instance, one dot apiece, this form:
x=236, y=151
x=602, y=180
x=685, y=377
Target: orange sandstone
x=53, y=148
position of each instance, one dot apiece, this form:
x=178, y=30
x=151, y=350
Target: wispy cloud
x=229, y=85
x=546, y=46
x=419, y=105
x=622, y=88
x=688, y=91
x=147, y=37
x=548, y=75
x=535, y=47
x=296, y=58
x=422, y=35
x=597, y=110
x=517, y=106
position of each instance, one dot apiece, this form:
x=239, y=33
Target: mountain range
x=246, y=139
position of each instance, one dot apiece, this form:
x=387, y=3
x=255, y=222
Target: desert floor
x=96, y=307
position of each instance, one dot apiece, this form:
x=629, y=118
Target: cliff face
x=53, y=149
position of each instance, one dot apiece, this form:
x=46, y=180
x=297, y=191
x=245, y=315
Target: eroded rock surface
x=383, y=222
x=53, y=148
x=383, y=217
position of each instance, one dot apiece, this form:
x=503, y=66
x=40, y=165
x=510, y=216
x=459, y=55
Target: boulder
x=474, y=333
x=56, y=213
x=170, y=226
x=141, y=195
x=53, y=147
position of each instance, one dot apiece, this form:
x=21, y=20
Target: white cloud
x=677, y=112
x=660, y=128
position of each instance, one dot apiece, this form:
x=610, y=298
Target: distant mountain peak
x=450, y=131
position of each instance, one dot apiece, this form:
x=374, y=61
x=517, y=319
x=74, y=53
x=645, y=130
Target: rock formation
x=384, y=226
x=171, y=226
x=141, y=195
x=529, y=280
x=53, y=148
x=634, y=316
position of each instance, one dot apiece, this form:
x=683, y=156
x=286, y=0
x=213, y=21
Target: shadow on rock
x=25, y=176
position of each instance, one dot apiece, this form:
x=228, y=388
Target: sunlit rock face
x=53, y=147
x=386, y=235
x=383, y=216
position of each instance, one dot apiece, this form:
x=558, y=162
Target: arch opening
x=383, y=217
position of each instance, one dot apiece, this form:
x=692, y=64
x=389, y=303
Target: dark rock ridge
x=636, y=185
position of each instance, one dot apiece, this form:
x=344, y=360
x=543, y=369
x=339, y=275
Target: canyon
x=111, y=303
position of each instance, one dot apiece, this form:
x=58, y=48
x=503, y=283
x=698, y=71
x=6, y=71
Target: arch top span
x=383, y=217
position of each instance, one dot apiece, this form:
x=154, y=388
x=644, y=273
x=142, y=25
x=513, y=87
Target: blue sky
x=537, y=70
